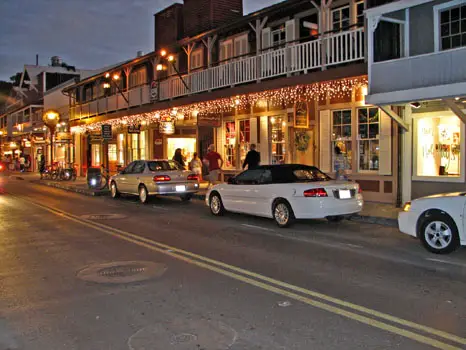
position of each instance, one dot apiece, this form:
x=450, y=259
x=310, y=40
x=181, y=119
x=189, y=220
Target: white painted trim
x=406, y=33
x=407, y=156
x=394, y=6
x=419, y=94
x=392, y=20
x=437, y=9
x=457, y=179
x=423, y=55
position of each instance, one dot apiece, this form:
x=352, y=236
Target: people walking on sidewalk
x=196, y=165
x=253, y=158
x=215, y=163
x=178, y=157
x=22, y=163
x=41, y=162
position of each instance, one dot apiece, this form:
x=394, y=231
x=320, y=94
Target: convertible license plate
x=345, y=194
x=180, y=188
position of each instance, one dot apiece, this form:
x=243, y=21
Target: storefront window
x=341, y=134
x=121, y=149
x=230, y=144
x=112, y=152
x=142, y=145
x=438, y=146
x=95, y=148
x=134, y=146
x=187, y=145
x=244, y=138
x=369, y=130
x=278, y=140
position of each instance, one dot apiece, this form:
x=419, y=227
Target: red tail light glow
x=161, y=178
x=315, y=192
x=359, y=190
x=1, y=167
x=193, y=177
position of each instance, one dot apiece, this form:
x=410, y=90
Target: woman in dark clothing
x=178, y=157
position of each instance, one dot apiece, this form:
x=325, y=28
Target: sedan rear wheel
x=143, y=195
x=114, y=190
x=439, y=234
x=216, y=205
x=283, y=214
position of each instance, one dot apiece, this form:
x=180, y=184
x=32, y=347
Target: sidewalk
x=373, y=213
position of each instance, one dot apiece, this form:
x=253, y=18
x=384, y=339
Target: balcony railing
x=339, y=48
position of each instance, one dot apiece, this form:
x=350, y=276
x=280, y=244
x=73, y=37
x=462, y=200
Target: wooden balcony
x=330, y=50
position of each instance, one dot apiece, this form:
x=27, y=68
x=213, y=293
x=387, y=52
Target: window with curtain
x=342, y=135
x=197, y=58
x=360, y=13
x=341, y=18
x=368, y=135
x=138, y=77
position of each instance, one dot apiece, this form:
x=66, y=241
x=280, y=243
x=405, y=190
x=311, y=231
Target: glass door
x=278, y=136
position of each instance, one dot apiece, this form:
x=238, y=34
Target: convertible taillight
x=161, y=178
x=316, y=192
x=193, y=177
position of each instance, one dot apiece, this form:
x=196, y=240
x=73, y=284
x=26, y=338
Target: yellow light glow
x=107, y=75
x=163, y=53
x=272, y=120
x=171, y=58
x=237, y=101
x=143, y=122
x=283, y=124
x=63, y=123
x=51, y=115
x=364, y=90
x=124, y=122
x=116, y=77
x=159, y=67
x=106, y=86
x=1, y=133
x=12, y=145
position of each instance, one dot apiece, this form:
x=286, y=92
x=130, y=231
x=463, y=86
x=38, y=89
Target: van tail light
x=193, y=177
x=316, y=192
x=161, y=178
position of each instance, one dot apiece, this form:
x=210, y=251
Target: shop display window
x=278, y=127
x=142, y=145
x=187, y=145
x=438, y=151
x=95, y=152
x=230, y=144
x=112, y=152
x=134, y=146
x=342, y=135
x=368, y=135
x=244, y=138
x=121, y=149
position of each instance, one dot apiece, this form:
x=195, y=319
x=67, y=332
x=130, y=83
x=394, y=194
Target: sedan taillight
x=193, y=177
x=161, y=178
x=316, y=192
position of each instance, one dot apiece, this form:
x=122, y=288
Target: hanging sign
x=154, y=91
x=301, y=119
x=167, y=127
x=134, y=129
x=106, y=132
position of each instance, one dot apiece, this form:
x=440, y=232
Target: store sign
x=301, y=115
x=106, y=132
x=134, y=129
x=27, y=144
x=154, y=91
x=213, y=120
x=167, y=127
x=63, y=136
x=158, y=142
x=95, y=137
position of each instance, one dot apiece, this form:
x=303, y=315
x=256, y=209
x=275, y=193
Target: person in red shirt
x=215, y=162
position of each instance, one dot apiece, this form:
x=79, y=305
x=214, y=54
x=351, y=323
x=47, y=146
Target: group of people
x=19, y=163
x=210, y=166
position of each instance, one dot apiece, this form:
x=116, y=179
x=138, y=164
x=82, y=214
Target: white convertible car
x=436, y=220
x=285, y=193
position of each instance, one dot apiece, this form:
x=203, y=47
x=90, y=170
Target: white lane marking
x=352, y=245
x=157, y=207
x=258, y=227
x=446, y=262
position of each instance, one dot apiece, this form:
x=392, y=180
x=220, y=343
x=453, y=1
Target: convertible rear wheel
x=439, y=234
x=283, y=213
x=216, y=205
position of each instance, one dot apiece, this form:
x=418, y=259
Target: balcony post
x=257, y=28
x=209, y=44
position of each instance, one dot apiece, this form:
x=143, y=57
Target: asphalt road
x=235, y=282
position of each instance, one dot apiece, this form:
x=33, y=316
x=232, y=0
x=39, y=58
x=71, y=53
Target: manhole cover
x=122, y=272
x=103, y=216
x=184, y=335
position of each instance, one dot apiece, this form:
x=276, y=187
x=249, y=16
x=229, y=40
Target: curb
x=83, y=191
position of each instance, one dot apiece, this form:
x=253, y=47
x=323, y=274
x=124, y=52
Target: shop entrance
x=187, y=145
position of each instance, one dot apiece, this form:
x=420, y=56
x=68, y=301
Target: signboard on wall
x=301, y=115
x=158, y=142
x=134, y=129
x=213, y=120
x=154, y=91
x=107, y=132
x=167, y=127
x=63, y=136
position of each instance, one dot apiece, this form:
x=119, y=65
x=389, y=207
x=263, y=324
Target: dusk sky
x=86, y=33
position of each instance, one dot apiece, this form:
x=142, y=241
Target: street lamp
x=51, y=119
x=171, y=59
x=108, y=82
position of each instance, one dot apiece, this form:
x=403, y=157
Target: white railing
x=338, y=48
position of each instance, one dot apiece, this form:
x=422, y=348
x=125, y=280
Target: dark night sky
x=88, y=34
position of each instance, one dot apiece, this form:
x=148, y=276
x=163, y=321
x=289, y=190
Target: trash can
x=94, y=178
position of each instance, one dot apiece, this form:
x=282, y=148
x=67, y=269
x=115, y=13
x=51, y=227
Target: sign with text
x=134, y=129
x=213, y=120
x=167, y=127
x=301, y=119
x=107, y=132
x=63, y=136
x=154, y=91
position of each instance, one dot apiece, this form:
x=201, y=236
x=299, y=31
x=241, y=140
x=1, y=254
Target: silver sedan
x=154, y=177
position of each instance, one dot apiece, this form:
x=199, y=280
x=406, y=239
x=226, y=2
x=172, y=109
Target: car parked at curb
x=146, y=178
x=436, y=220
x=286, y=192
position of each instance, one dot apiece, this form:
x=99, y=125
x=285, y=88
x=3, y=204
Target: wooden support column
x=209, y=44
x=455, y=109
x=188, y=50
x=257, y=28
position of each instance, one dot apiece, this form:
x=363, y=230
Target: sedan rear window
x=310, y=175
x=163, y=165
